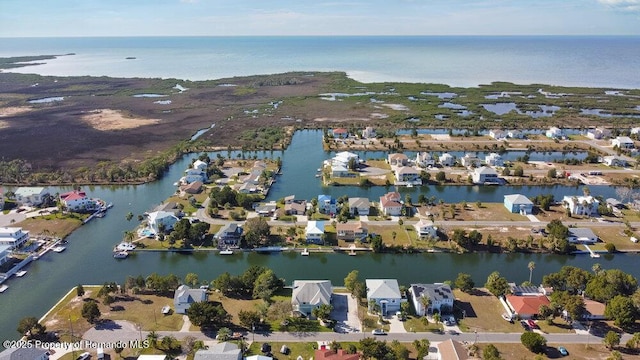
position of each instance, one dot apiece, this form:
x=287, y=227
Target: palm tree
x=425, y=301
x=596, y=268
x=152, y=336
x=531, y=266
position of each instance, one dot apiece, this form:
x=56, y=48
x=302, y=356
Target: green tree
x=90, y=311
x=609, y=283
x=622, y=310
x=634, y=342
x=422, y=347
x=191, y=279
x=490, y=352
x=496, y=284
x=79, y=290
x=531, y=266
x=207, y=314
x=256, y=231
x=611, y=340
x=30, y=327
x=322, y=312
x=557, y=230
x=533, y=341
x=518, y=171
x=249, y=318
x=377, y=244
x=224, y=333
x=441, y=176
x=464, y=282
x=266, y=285
x=129, y=216
x=399, y=351
x=350, y=280
x=552, y=173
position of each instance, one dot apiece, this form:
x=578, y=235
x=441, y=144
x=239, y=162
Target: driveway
x=345, y=312
x=395, y=326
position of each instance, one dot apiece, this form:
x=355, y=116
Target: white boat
x=352, y=253
x=166, y=309
x=226, y=251
x=410, y=185
x=120, y=255
x=21, y=273
x=125, y=246
x=3, y=288
x=305, y=252
x=319, y=169
x=318, y=175
x=595, y=255
x=59, y=249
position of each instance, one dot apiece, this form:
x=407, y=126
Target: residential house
x=328, y=354
x=484, y=175
x=341, y=171
x=598, y=133
x=295, y=207
x=193, y=188
x=162, y=219
x=581, y=205
x=219, y=351
x=635, y=131
x=1, y=199
x=31, y=196
x=518, y=204
x=327, y=204
x=385, y=293
x=351, y=231
x=314, y=232
x=265, y=209
x=623, y=143
x=359, y=206
x=440, y=296
x=526, y=307
x=426, y=228
x=229, y=235
x=409, y=175
x=613, y=160
x=5, y=251
x=446, y=159
x=193, y=175
x=200, y=165
x=13, y=236
x=593, y=310
x=554, y=133
x=185, y=296
x=452, y=350
x=310, y=294
x=523, y=290
x=26, y=352
x=424, y=159
x=390, y=204
x=344, y=157
x=582, y=235
x=369, y=133
x=77, y=201
x=515, y=134
x=494, y=159
x=340, y=133
x=497, y=134
x=397, y=159
x=470, y=160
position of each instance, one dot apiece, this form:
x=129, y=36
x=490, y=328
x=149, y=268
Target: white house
x=397, y=159
x=339, y=170
x=623, y=142
x=13, y=236
x=581, y=205
x=385, y=293
x=193, y=175
x=494, y=159
x=515, y=134
x=5, y=251
x=200, y=165
x=635, y=131
x=185, y=296
x=598, y=133
x=359, y=206
x=77, y=201
x=484, y=175
x=440, y=295
x=310, y=294
x=582, y=235
x=407, y=174
x=219, y=351
x=343, y=158
x=158, y=219
x=446, y=159
x=613, y=160
x=314, y=232
x=426, y=228
x=390, y=204
x=369, y=132
x=470, y=160
x=554, y=133
x=497, y=134
x=31, y=196
x=424, y=159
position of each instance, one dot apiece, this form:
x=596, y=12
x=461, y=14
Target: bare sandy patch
x=13, y=110
x=3, y=124
x=442, y=137
x=326, y=119
x=107, y=119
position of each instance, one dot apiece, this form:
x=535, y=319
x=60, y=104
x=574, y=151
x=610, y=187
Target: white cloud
x=625, y=5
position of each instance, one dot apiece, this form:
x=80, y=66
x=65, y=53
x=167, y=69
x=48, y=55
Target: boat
x=409, y=185
x=120, y=255
x=226, y=251
x=125, y=246
x=305, y=252
x=318, y=175
x=352, y=253
x=130, y=58
x=166, y=310
x=100, y=214
x=3, y=288
x=21, y=273
x=595, y=255
x=59, y=249
x=319, y=169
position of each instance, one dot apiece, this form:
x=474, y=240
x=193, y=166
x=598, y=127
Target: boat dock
x=591, y=252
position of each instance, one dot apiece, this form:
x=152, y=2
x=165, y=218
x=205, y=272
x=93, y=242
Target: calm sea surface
x=604, y=61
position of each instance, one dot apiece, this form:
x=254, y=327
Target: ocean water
x=605, y=61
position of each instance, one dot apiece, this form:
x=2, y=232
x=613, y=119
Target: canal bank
x=88, y=257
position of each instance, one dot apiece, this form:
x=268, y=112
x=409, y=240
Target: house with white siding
x=31, y=196
x=13, y=236
x=314, y=232
x=440, y=296
x=385, y=293
x=446, y=159
x=581, y=205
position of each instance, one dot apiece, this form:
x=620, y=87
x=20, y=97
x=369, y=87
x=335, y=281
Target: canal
x=88, y=258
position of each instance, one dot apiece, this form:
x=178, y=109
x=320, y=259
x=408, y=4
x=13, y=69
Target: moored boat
x=305, y=252
x=3, y=288
x=120, y=255
x=59, y=249
x=21, y=273
x=226, y=251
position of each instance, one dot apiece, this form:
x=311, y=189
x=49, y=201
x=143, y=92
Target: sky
x=57, y=18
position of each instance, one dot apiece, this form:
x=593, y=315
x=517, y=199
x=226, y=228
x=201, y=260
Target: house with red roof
x=324, y=353
x=526, y=307
x=340, y=133
x=77, y=201
x=390, y=204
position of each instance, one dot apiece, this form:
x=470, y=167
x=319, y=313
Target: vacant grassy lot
x=55, y=225
x=576, y=351
x=483, y=312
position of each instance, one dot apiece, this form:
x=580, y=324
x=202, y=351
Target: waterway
x=88, y=258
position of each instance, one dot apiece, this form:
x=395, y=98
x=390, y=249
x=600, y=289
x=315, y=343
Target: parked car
x=563, y=351
x=453, y=332
x=532, y=324
x=84, y=356
x=525, y=326
x=379, y=332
